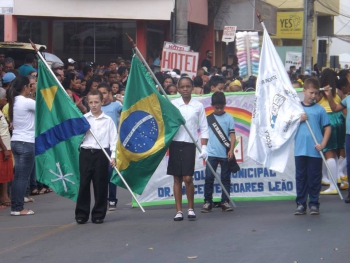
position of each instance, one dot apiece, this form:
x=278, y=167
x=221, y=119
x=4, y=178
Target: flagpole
x=308, y=125
x=184, y=125
x=104, y=151
x=325, y=162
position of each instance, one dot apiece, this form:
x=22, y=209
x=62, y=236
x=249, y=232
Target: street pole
x=307, y=34
x=181, y=30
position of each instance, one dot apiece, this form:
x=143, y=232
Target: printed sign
x=174, y=46
x=185, y=61
x=6, y=7
x=293, y=59
x=290, y=25
x=229, y=34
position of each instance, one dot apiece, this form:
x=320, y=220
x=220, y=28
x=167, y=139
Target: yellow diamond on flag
x=49, y=95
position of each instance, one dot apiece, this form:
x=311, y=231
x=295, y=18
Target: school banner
x=253, y=182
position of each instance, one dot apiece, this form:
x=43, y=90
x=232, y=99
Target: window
x=92, y=41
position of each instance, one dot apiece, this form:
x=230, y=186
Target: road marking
x=23, y=227
x=47, y=234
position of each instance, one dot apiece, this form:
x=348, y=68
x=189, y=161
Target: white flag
x=276, y=114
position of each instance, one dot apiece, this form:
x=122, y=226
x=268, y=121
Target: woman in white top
x=22, y=117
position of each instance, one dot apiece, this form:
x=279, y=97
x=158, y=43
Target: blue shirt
x=345, y=102
x=215, y=147
x=113, y=110
x=304, y=143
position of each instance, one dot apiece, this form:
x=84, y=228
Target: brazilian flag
x=148, y=123
x=59, y=130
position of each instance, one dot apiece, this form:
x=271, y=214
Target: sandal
x=28, y=200
x=35, y=192
x=6, y=203
x=46, y=190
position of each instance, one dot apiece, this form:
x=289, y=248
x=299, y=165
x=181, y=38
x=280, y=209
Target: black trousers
x=93, y=166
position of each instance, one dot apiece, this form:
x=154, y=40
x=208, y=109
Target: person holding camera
x=220, y=151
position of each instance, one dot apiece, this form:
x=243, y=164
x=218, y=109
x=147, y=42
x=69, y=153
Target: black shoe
x=81, y=221
x=300, y=210
x=347, y=200
x=97, y=221
x=314, y=210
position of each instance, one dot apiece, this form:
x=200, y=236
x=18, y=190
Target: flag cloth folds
x=148, y=123
x=59, y=129
x=276, y=114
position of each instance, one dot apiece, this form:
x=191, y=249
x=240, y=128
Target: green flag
x=59, y=129
x=148, y=123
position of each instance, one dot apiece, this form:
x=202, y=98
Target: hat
x=8, y=77
x=205, y=69
x=236, y=82
x=56, y=65
x=174, y=75
x=71, y=61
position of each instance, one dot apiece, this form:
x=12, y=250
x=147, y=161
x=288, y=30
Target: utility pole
x=181, y=13
x=307, y=34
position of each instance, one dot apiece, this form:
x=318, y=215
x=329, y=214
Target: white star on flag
x=61, y=177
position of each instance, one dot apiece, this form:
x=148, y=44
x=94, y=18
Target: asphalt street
x=261, y=232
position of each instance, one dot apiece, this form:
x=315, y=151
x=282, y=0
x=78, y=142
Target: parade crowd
x=98, y=92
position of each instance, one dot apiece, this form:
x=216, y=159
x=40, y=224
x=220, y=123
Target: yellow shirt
x=5, y=111
x=325, y=104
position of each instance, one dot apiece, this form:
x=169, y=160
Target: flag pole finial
x=34, y=46
x=131, y=40
x=259, y=16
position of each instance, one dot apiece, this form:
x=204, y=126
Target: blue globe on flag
x=139, y=132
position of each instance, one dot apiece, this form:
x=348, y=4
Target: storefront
x=91, y=30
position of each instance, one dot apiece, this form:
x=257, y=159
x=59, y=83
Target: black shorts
x=182, y=157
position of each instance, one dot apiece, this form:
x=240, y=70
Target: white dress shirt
x=105, y=131
x=195, y=117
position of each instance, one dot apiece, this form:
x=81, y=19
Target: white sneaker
x=191, y=214
x=178, y=216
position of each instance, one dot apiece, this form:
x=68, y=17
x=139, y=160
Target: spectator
x=27, y=66
x=21, y=111
x=198, y=85
x=9, y=64
x=6, y=162
x=207, y=61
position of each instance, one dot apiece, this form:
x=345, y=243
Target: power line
x=325, y=5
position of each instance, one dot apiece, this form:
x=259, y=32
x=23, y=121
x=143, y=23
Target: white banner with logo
x=253, y=182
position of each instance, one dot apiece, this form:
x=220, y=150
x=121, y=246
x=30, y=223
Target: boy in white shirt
x=93, y=164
